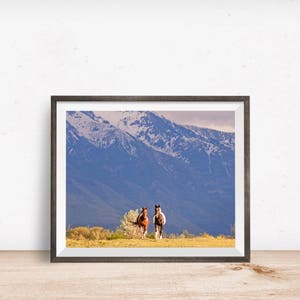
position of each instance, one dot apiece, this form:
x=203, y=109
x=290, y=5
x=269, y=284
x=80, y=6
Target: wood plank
x=29, y=275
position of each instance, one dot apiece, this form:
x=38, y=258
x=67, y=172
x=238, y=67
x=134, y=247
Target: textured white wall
x=153, y=47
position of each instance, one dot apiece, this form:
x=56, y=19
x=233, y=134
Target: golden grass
x=205, y=241
x=88, y=233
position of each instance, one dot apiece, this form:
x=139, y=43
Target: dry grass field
x=99, y=237
x=205, y=241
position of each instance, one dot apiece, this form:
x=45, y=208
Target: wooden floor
x=270, y=275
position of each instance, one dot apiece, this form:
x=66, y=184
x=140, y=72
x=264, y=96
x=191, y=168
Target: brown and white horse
x=159, y=220
x=143, y=221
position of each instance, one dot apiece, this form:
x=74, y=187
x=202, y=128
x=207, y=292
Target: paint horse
x=159, y=220
x=143, y=222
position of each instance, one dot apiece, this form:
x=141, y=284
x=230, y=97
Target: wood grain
x=270, y=275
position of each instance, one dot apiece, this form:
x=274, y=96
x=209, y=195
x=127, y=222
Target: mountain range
x=145, y=159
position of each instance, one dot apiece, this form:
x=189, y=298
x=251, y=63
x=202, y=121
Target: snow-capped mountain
x=188, y=143
x=145, y=159
x=98, y=131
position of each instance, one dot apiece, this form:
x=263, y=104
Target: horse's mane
x=159, y=217
x=142, y=215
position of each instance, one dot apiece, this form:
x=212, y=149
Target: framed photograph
x=150, y=179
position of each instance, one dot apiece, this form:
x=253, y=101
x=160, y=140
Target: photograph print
x=152, y=181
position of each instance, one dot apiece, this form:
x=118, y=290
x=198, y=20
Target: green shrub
x=86, y=233
x=118, y=234
x=172, y=236
x=186, y=234
x=206, y=235
x=221, y=236
x=151, y=235
x=127, y=226
x=99, y=233
x=82, y=233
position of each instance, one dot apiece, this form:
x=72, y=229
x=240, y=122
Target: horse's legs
x=143, y=231
x=160, y=231
x=156, y=231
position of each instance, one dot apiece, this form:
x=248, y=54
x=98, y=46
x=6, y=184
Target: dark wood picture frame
x=244, y=99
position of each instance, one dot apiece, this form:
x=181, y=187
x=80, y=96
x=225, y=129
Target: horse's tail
x=134, y=223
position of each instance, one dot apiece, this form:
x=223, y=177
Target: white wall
x=154, y=47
